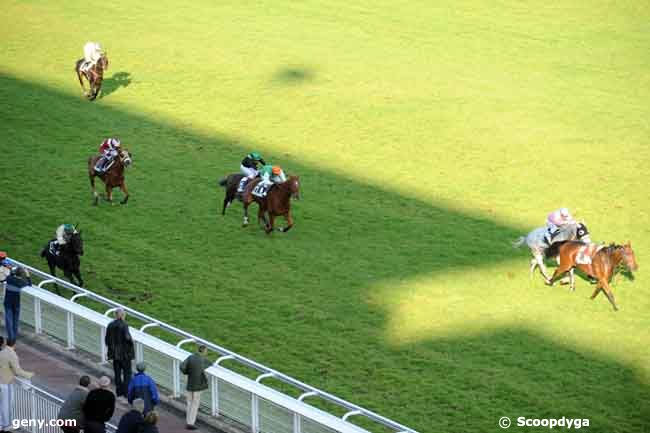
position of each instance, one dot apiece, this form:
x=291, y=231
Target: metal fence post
x=38, y=324
x=32, y=409
x=255, y=414
x=176, y=379
x=70, y=326
x=215, y=395
x=103, y=345
x=296, y=423
x=139, y=352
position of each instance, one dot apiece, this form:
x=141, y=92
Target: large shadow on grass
x=114, y=82
x=307, y=298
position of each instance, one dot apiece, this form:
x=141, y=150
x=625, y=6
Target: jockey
x=92, y=54
x=109, y=149
x=64, y=232
x=556, y=220
x=272, y=175
x=248, y=168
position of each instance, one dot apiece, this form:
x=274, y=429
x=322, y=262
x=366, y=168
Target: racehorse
x=67, y=257
x=602, y=267
x=113, y=177
x=231, y=183
x=538, y=244
x=276, y=203
x=94, y=75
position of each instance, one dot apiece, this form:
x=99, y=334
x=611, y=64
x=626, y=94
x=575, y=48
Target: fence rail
x=249, y=402
x=37, y=408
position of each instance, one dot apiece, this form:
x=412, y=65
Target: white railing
x=38, y=408
x=231, y=395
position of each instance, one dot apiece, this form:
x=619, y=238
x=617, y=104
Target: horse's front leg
x=125, y=191
x=269, y=226
x=81, y=81
x=289, y=222
x=77, y=274
x=609, y=293
x=109, y=194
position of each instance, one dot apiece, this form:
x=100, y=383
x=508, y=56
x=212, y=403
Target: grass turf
x=427, y=138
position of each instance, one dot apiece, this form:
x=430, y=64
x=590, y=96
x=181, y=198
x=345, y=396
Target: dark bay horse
x=276, y=203
x=94, y=75
x=231, y=183
x=67, y=258
x=112, y=178
x=603, y=264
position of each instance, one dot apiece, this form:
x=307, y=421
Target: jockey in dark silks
x=63, y=234
x=248, y=168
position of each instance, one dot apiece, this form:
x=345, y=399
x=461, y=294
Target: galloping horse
x=231, y=183
x=602, y=266
x=67, y=258
x=94, y=75
x=113, y=177
x=536, y=241
x=276, y=203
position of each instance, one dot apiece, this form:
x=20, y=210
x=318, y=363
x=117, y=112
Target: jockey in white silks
x=64, y=232
x=92, y=54
x=556, y=220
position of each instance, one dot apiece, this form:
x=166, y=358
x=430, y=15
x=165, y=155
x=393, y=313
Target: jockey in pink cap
x=109, y=149
x=556, y=220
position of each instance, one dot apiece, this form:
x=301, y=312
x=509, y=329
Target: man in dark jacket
x=72, y=408
x=120, y=349
x=14, y=283
x=99, y=407
x=194, y=367
x=132, y=421
x=142, y=386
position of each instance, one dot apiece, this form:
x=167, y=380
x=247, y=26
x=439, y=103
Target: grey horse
x=538, y=242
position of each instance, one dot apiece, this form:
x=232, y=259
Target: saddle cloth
x=586, y=253
x=53, y=247
x=262, y=189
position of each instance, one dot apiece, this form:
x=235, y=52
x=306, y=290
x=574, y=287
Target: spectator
x=99, y=407
x=132, y=421
x=194, y=367
x=5, y=268
x=9, y=369
x=150, y=421
x=143, y=386
x=120, y=349
x=14, y=283
x=72, y=408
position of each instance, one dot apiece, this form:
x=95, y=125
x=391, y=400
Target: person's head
x=120, y=314
x=21, y=272
x=255, y=156
x=3, y=257
x=84, y=381
x=203, y=350
x=104, y=382
x=68, y=229
x=115, y=142
x=138, y=404
x=276, y=170
x=564, y=213
x=140, y=367
x=151, y=418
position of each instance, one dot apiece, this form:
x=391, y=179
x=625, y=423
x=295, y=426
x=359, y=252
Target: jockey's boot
x=242, y=184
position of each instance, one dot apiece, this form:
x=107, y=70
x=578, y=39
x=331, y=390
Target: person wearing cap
x=270, y=175
x=556, y=220
x=109, y=150
x=248, y=168
x=99, y=407
x=133, y=420
x=64, y=233
x=92, y=53
x=143, y=386
x=14, y=284
x=194, y=367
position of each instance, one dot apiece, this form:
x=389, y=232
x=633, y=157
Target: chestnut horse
x=113, y=177
x=276, y=203
x=602, y=267
x=94, y=76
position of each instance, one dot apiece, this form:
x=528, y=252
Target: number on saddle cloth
x=261, y=189
x=586, y=253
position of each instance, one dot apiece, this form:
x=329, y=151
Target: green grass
x=426, y=137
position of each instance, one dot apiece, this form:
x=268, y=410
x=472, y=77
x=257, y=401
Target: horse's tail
x=44, y=251
x=223, y=182
x=554, y=249
x=519, y=242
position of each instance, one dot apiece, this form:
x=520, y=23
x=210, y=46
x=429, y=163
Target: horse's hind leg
x=94, y=191
x=558, y=271
x=289, y=223
x=245, y=222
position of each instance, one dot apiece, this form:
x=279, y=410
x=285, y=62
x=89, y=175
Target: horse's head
x=76, y=244
x=103, y=62
x=628, y=256
x=125, y=157
x=294, y=186
x=582, y=233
